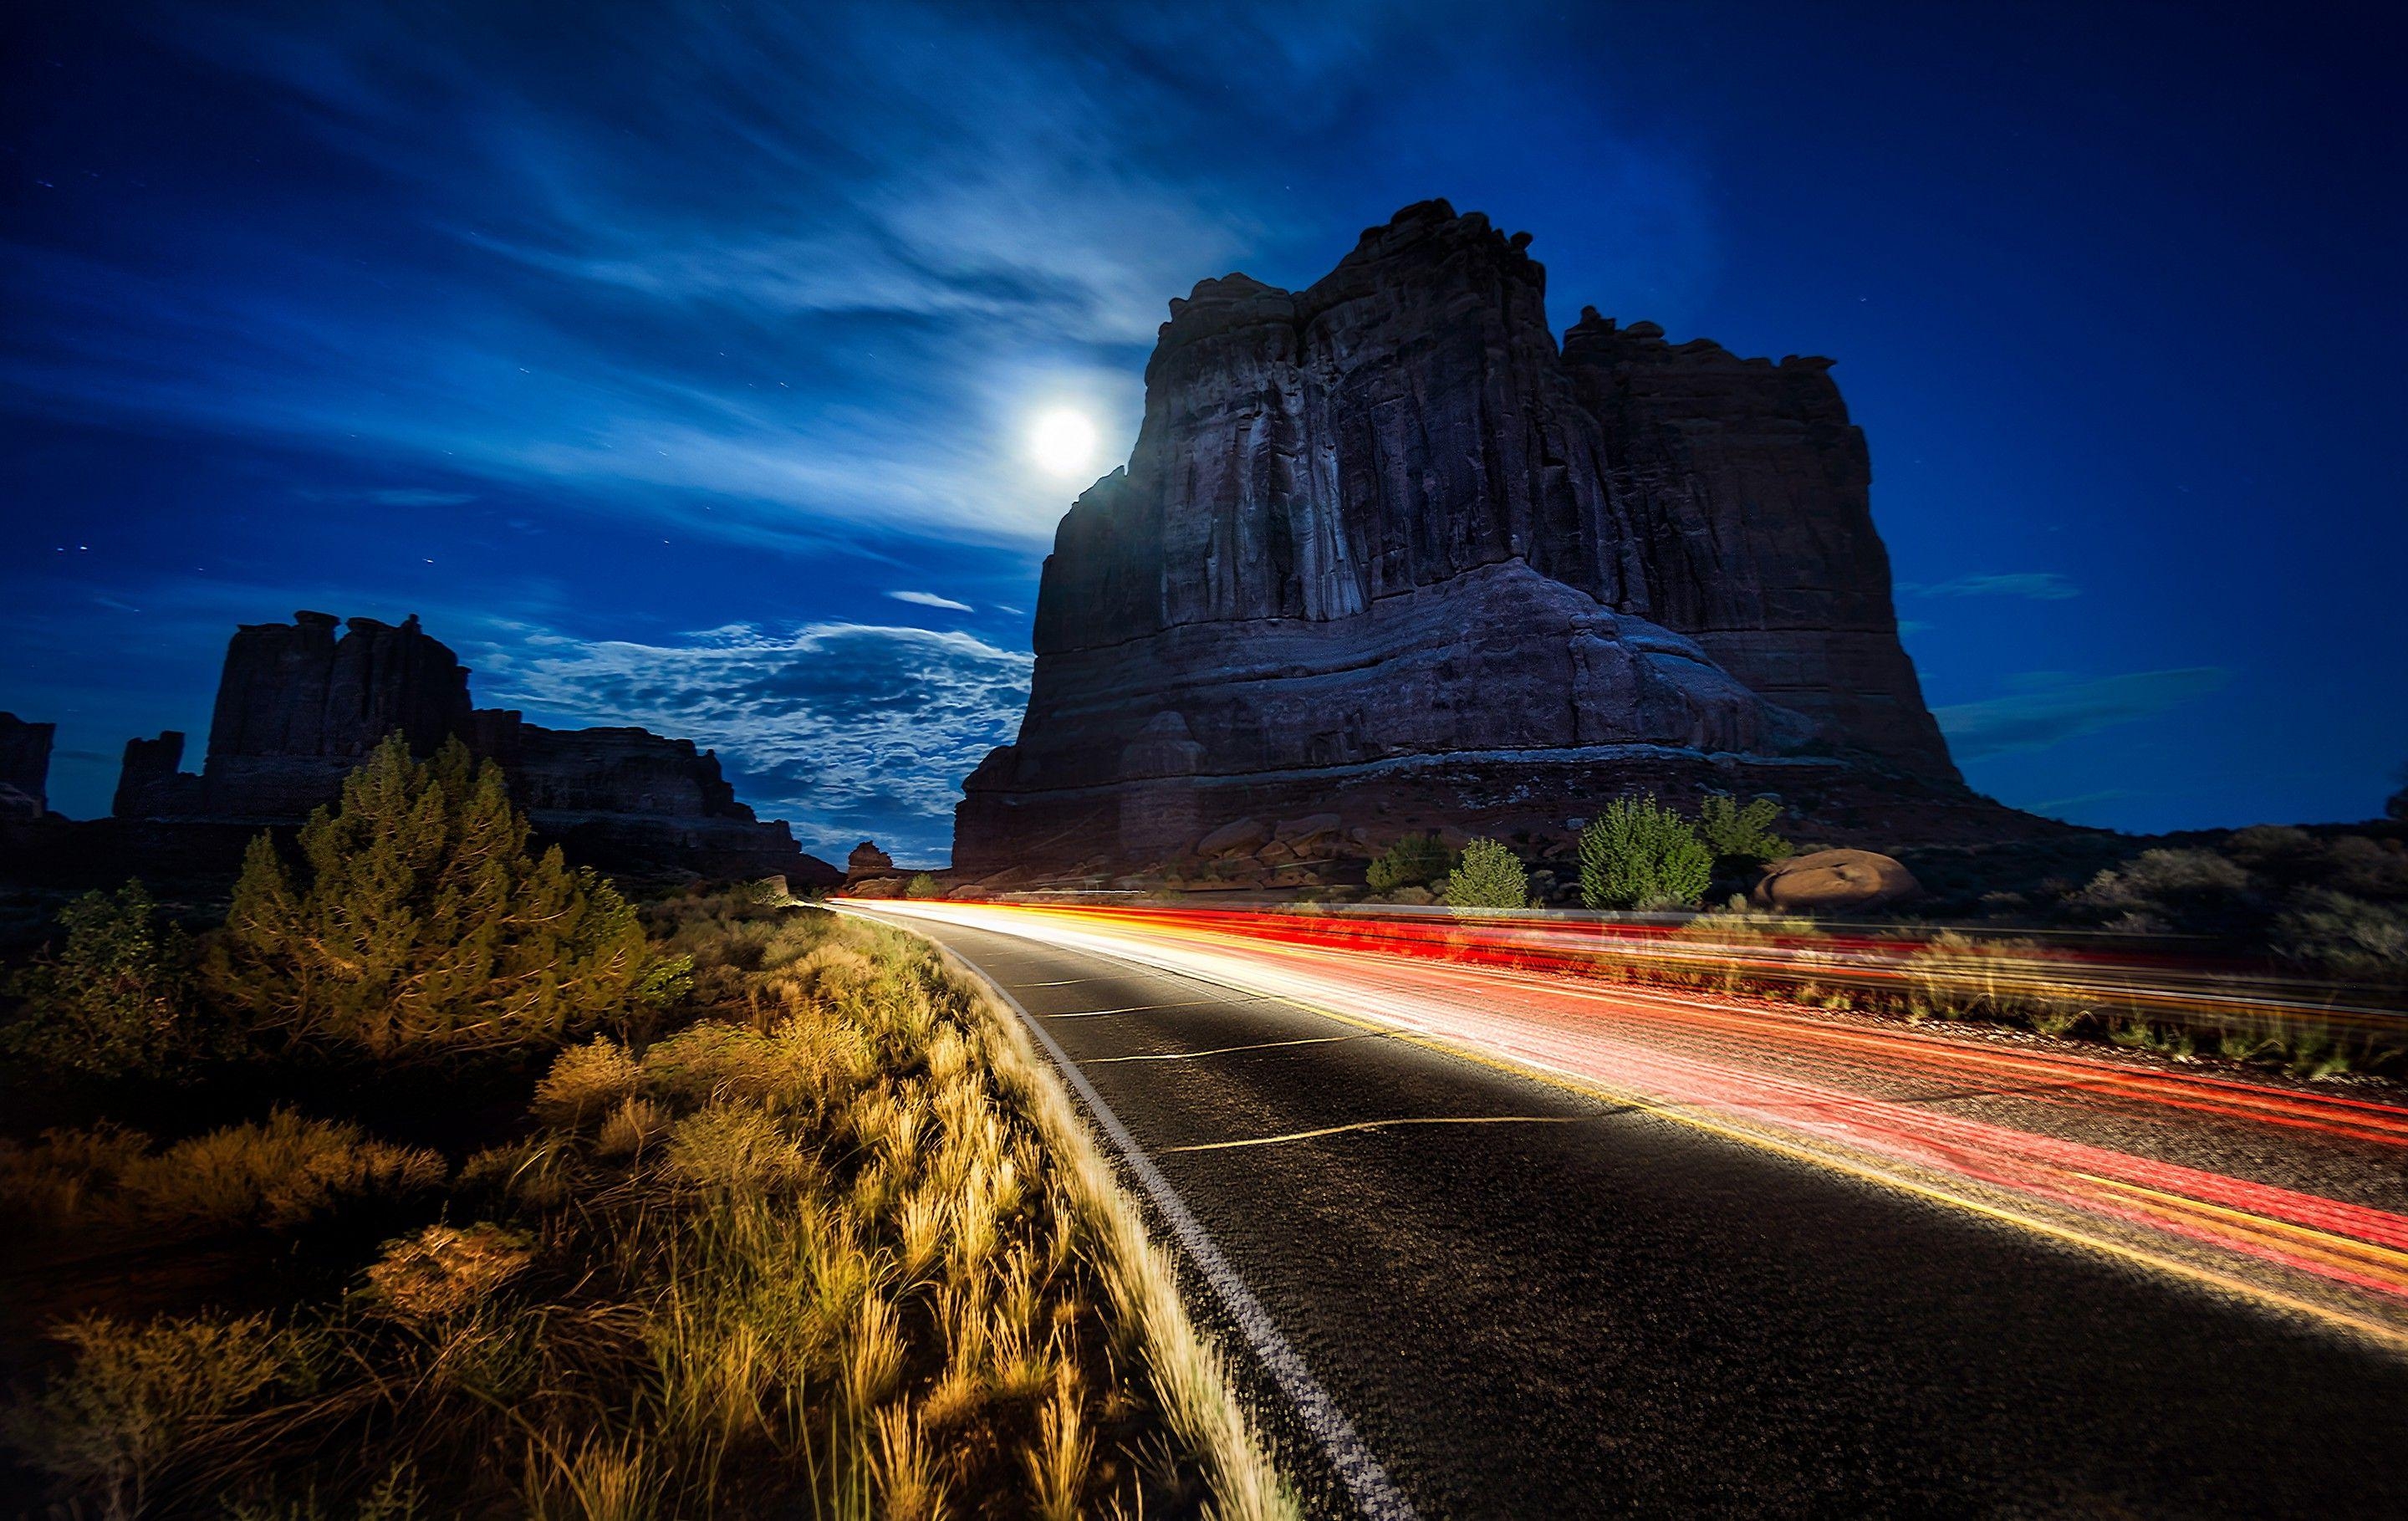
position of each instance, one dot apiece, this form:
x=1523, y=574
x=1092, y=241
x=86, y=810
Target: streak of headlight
x=1694, y=1060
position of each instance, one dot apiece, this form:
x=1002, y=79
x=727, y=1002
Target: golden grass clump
x=277, y=1174
x=445, y=1270
x=842, y=1248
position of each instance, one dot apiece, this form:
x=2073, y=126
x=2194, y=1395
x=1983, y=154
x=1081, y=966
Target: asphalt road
x=1527, y=1301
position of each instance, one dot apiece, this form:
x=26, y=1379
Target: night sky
x=677, y=361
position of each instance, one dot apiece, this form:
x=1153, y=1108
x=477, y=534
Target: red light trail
x=2288, y=1194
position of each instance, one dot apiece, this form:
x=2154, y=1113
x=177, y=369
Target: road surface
x=1546, y=1249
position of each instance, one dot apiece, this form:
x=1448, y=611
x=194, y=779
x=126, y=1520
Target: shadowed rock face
x=1383, y=526
x=1751, y=495
x=25, y=768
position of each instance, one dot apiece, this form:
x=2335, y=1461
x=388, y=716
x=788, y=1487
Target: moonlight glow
x=1063, y=442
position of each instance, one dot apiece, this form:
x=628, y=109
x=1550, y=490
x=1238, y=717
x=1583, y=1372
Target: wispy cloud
x=2053, y=706
x=843, y=729
x=2038, y=586
x=408, y=497
x=930, y=599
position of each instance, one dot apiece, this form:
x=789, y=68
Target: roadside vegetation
x=2323, y=914
x=721, y=1207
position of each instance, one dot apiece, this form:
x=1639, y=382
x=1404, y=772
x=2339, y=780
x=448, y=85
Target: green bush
x=1490, y=876
x=1739, y=833
x=421, y=924
x=1414, y=861
x=923, y=885
x=1639, y=853
x=116, y=1000
x=2190, y=891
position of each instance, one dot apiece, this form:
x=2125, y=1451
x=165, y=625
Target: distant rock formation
x=151, y=783
x=25, y=768
x=867, y=860
x=1382, y=547
x=298, y=707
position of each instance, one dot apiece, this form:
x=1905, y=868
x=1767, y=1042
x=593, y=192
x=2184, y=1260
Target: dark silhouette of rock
x=298, y=707
x=866, y=862
x=1381, y=546
x=1833, y=882
x=25, y=768
x=151, y=783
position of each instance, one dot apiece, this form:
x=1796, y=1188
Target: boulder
x=1299, y=833
x=1240, y=837
x=1833, y=882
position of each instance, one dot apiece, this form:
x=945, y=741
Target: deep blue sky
x=647, y=350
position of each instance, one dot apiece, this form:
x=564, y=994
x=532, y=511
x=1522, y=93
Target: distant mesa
x=1384, y=548
x=299, y=706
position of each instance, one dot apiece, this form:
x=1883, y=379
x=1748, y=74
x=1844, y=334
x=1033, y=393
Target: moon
x=1063, y=442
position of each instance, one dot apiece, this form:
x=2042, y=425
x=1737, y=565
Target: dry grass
x=845, y=1252
x=277, y=1174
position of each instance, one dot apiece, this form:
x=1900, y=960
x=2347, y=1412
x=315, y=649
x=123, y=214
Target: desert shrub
x=1739, y=833
x=55, y=1179
x=1639, y=853
x=2335, y=932
x=1954, y=976
x=2364, y=867
x=277, y=1174
x=444, y=1270
x=138, y=1396
x=2395, y=806
x=2190, y=891
x=586, y=1081
x=923, y=885
x=2263, y=846
x=858, y=1259
x=1488, y=876
x=422, y=925
x=116, y=999
x=1414, y=861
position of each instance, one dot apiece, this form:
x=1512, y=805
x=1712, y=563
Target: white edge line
x=1366, y=1481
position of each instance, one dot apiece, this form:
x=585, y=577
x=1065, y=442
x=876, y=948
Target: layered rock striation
x=299, y=706
x=1383, y=543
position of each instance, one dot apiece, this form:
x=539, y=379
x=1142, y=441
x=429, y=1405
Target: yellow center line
x=1225, y=1051
x=1383, y=1124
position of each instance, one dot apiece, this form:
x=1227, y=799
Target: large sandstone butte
x=1384, y=549
x=299, y=706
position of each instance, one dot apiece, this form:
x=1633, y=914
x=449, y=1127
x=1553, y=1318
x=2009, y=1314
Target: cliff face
x=1383, y=526
x=25, y=768
x=1750, y=494
x=298, y=707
